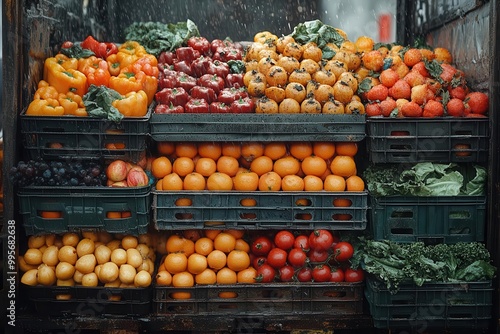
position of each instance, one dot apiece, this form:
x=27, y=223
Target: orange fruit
x=228, y=165
x=159, y=184
x=176, y=262
x=204, y=246
x=196, y=263
x=334, y=183
x=313, y=183
x=275, y=150
x=242, y=245
x=343, y=165
x=219, y=181
x=182, y=280
x=161, y=167
x=248, y=202
x=251, y=150
x=355, y=183
x=270, y=181
x=183, y=201
x=205, y=166
x=292, y=183
x=461, y=150
x=206, y=277
x=183, y=166
x=224, y=242
x=163, y=278
x=313, y=165
x=54, y=214
x=247, y=276
x=231, y=149
x=191, y=234
x=288, y=165
x=238, y=260
x=261, y=165
x=175, y=243
x=172, y=181
x=226, y=276
x=238, y=234
x=216, y=259
x=165, y=148
x=194, y=181
x=246, y=181
x=342, y=202
x=324, y=149
x=109, y=214
x=346, y=148
x=301, y=150
x=186, y=149
x=211, y=234
x=211, y=150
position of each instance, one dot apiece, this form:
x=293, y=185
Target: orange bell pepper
x=64, y=79
x=132, y=48
x=71, y=103
x=147, y=64
x=134, y=104
x=96, y=70
x=127, y=81
x=150, y=86
x=66, y=62
x=48, y=107
x=118, y=61
x=45, y=91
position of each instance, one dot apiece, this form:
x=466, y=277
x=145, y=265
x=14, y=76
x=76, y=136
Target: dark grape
x=73, y=181
x=43, y=166
x=47, y=174
x=51, y=182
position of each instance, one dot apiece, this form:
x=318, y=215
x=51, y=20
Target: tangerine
x=252, y=150
x=216, y=259
x=314, y=165
x=211, y=150
x=313, y=183
x=270, y=181
x=343, y=165
x=171, y=181
x=261, y=165
x=161, y=167
x=301, y=150
x=186, y=149
x=224, y=242
x=346, y=148
x=288, y=165
x=205, y=166
x=355, y=183
x=211, y=234
x=247, y=276
x=324, y=149
x=238, y=260
x=292, y=183
x=334, y=183
x=219, y=181
x=228, y=165
x=206, y=277
x=183, y=166
x=246, y=181
x=194, y=181
x=231, y=149
x=204, y=246
x=242, y=245
x=165, y=148
x=176, y=262
x=275, y=150
x=196, y=263
x=226, y=276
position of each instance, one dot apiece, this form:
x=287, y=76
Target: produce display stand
x=33, y=30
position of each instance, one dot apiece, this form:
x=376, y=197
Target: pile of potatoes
x=88, y=259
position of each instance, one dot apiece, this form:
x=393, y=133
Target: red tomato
x=320, y=239
x=284, y=240
x=316, y=255
x=277, y=257
x=261, y=246
x=286, y=273
x=321, y=273
x=352, y=275
x=265, y=274
x=258, y=261
x=343, y=251
x=304, y=275
x=302, y=241
x=337, y=275
x=297, y=257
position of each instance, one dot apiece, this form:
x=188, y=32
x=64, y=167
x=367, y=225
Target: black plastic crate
x=447, y=139
x=432, y=305
x=434, y=219
x=279, y=209
x=90, y=301
x=257, y=127
x=262, y=299
x=85, y=208
x=67, y=137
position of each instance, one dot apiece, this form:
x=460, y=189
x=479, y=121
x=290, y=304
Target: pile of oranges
x=252, y=166
x=205, y=257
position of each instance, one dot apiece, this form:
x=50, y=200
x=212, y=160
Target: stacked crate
x=273, y=210
x=429, y=219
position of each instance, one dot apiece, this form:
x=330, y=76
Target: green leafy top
x=76, y=51
x=98, y=102
x=157, y=37
x=319, y=33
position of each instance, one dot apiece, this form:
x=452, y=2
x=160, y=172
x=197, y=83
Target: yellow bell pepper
x=71, y=103
x=66, y=62
x=132, y=48
x=118, y=61
x=48, y=107
x=134, y=104
x=45, y=91
x=127, y=82
x=64, y=79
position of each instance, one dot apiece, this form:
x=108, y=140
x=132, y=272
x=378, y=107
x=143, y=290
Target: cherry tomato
x=286, y=273
x=66, y=45
x=265, y=274
x=258, y=261
x=321, y=273
x=302, y=241
x=343, y=251
x=304, y=275
x=337, y=275
x=277, y=258
x=297, y=257
x=284, y=240
x=352, y=275
x=317, y=255
x=261, y=246
x=320, y=239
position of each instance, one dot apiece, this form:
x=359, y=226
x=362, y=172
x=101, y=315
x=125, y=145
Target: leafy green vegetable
x=434, y=68
x=426, y=179
x=236, y=66
x=316, y=31
x=394, y=263
x=76, y=51
x=157, y=37
x=98, y=101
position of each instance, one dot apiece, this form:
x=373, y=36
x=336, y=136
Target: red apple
x=136, y=177
x=117, y=171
